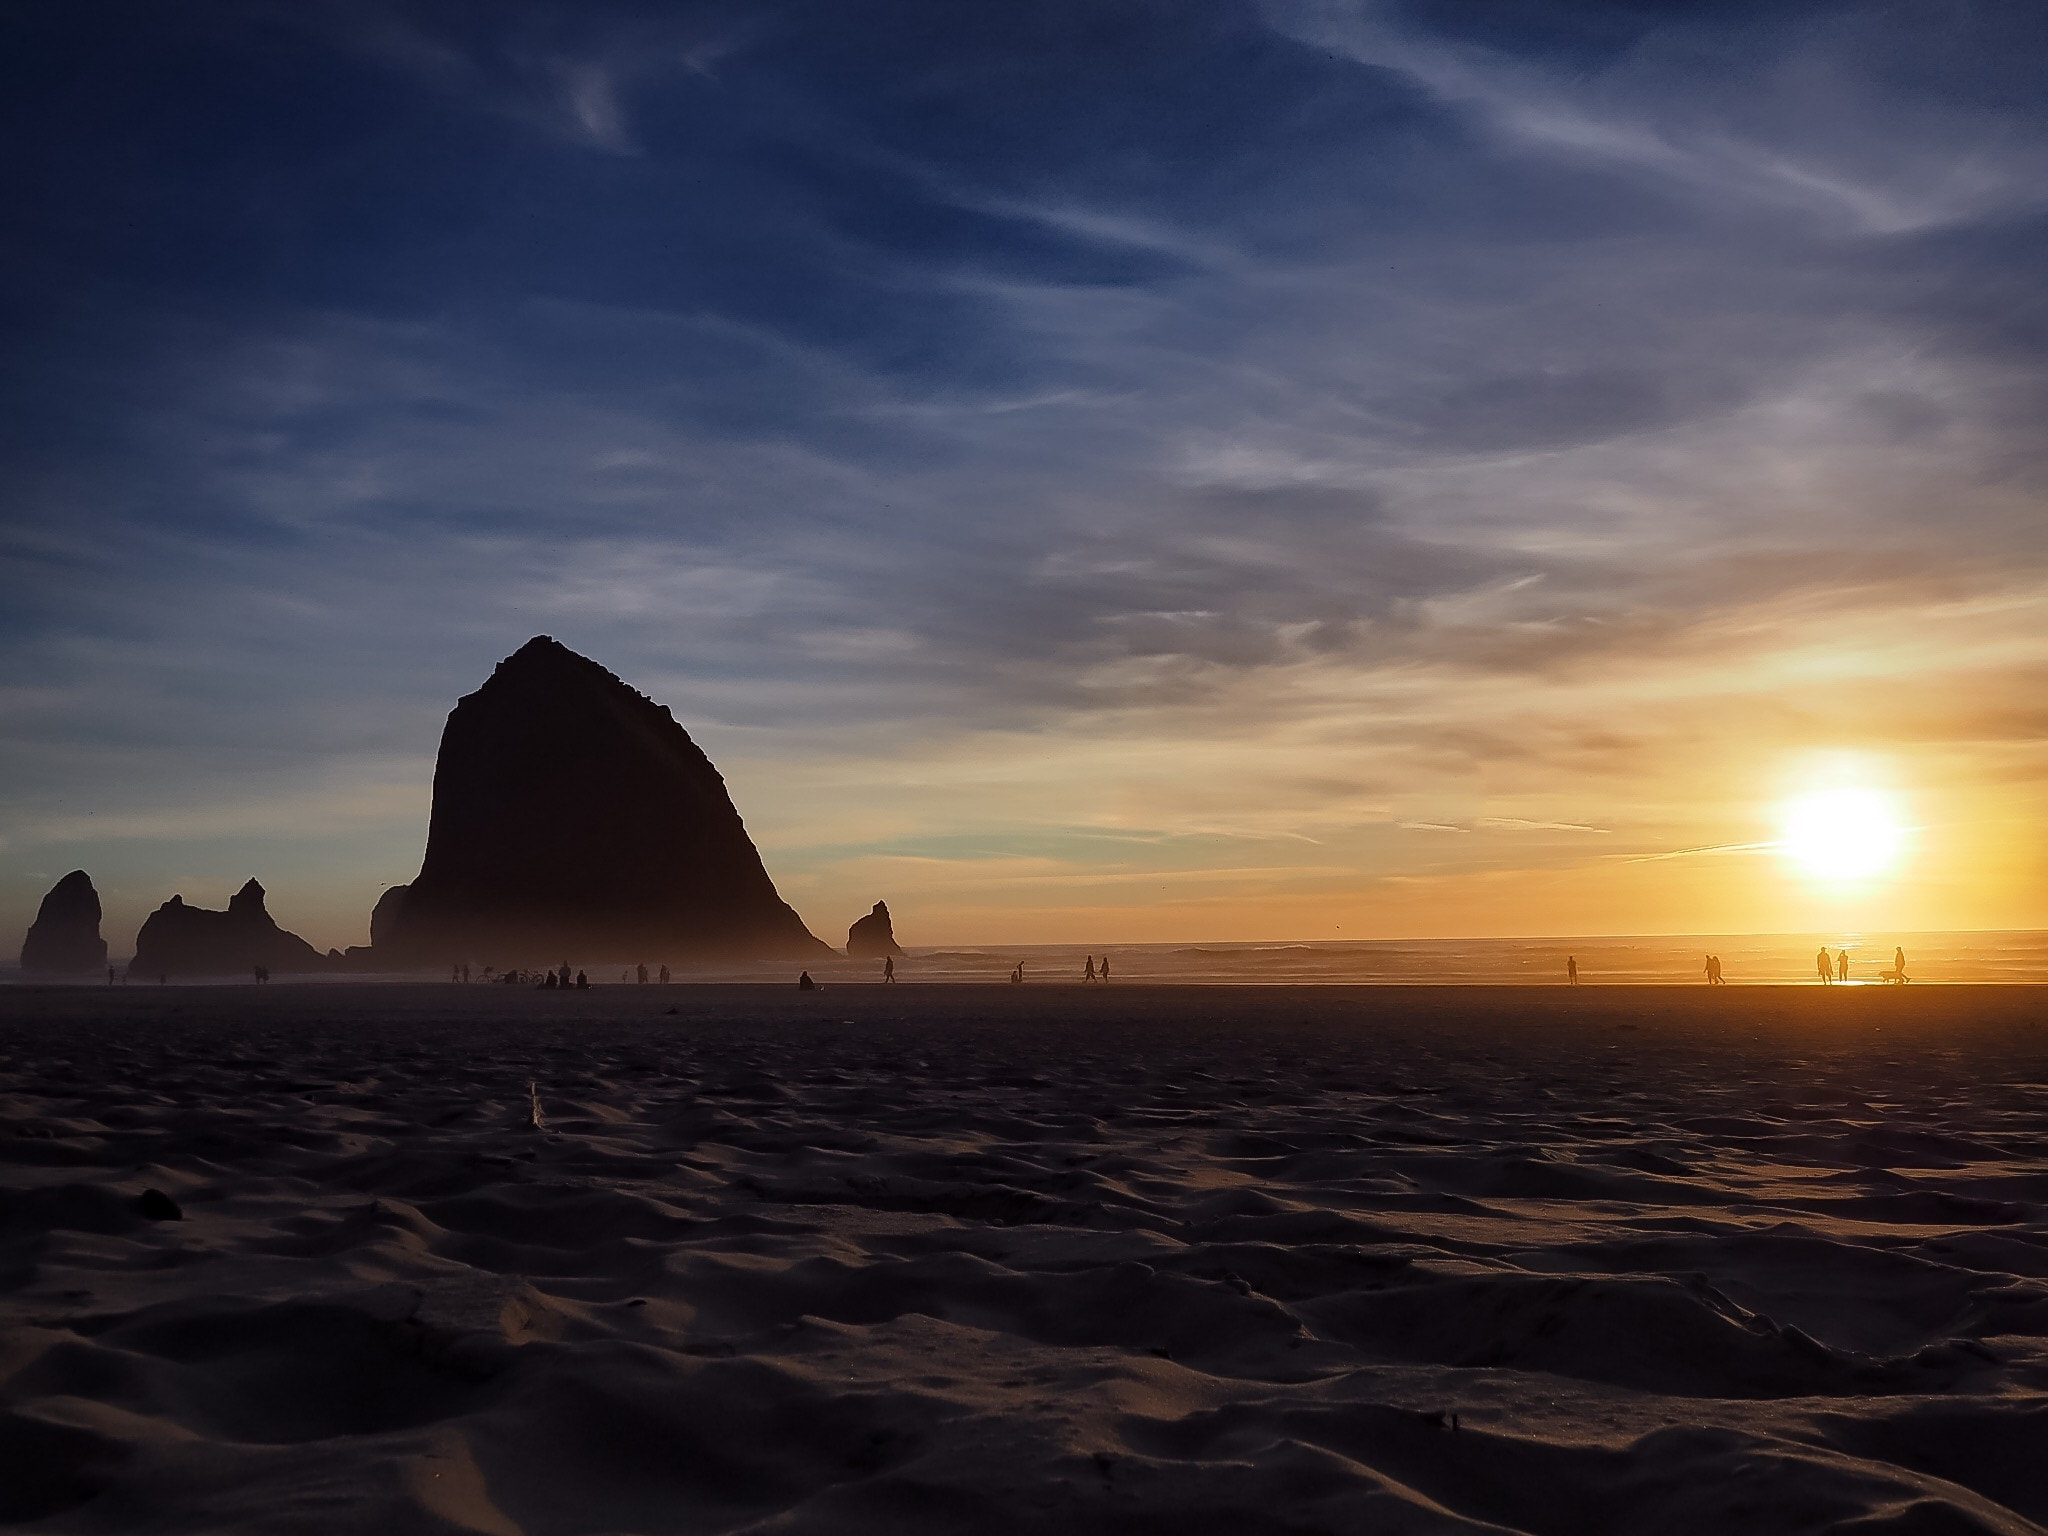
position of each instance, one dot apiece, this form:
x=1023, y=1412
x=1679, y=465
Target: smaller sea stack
x=872, y=938
x=64, y=940
x=177, y=940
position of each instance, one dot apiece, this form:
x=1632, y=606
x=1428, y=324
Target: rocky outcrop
x=575, y=817
x=872, y=937
x=384, y=917
x=177, y=940
x=64, y=940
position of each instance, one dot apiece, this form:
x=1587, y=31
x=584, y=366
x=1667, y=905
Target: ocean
x=1663, y=959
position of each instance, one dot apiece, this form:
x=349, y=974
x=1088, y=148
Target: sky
x=1084, y=471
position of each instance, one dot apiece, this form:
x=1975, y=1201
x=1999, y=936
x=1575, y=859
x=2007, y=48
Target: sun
x=1843, y=834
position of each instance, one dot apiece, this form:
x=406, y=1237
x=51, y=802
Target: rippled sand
x=1024, y=1259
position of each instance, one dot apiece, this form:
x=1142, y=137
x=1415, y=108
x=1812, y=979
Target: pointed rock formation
x=177, y=940
x=872, y=937
x=575, y=817
x=64, y=940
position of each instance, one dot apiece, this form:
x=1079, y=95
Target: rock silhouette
x=65, y=937
x=177, y=940
x=574, y=816
x=384, y=917
x=872, y=937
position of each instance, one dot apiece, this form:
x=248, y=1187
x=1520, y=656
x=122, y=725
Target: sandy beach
x=940, y=1259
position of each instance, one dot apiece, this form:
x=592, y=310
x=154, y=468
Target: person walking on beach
x=888, y=968
x=1899, y=966
x=1089, y=974
x=1105, y=967
x=1571, y=970
x=1714, y=976
x=1824, y=963
x=664, y=975
x=640, y=974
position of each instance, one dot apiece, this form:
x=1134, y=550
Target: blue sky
x=1099, y=469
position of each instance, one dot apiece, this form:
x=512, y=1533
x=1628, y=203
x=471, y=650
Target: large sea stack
x=64, y=940
x=872, y=937
x=177, y=940
x=575, y=819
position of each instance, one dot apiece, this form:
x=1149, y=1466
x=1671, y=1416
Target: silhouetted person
x=1714, y=976
x=455, y=973
x=1105, y=967
x=888, y=967
x=582, y=982
x=565, y=973
x=551, y=983
x=1824, y=963
x=110, y=975
x=1017, y=975
x=664, y=975
x=640, y=974
x=805, y=984
x=1571, y=970
x=1089, y=974
x=1842, y=966
x=1898, y=973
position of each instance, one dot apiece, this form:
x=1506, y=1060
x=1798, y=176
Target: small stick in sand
x=540, y=1121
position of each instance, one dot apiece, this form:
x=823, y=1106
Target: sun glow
x=1843, y=834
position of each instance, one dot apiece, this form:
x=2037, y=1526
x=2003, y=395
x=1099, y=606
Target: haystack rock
x=64, y=940
x=872, y=937
x=177, y=940
x=575, y=818
x=384, y=916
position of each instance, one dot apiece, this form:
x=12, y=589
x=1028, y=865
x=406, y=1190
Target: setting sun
x=1843, y=834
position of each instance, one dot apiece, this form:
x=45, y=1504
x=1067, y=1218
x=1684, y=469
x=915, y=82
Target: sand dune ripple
x=946, y=1259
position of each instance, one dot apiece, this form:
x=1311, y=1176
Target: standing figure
x=1105, y=967
x=1825, y=964
x=640, y=974
x=888, y=968
x=664, y=975
x=1571, y=970
x=1089, y=974
x=1842, y=966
